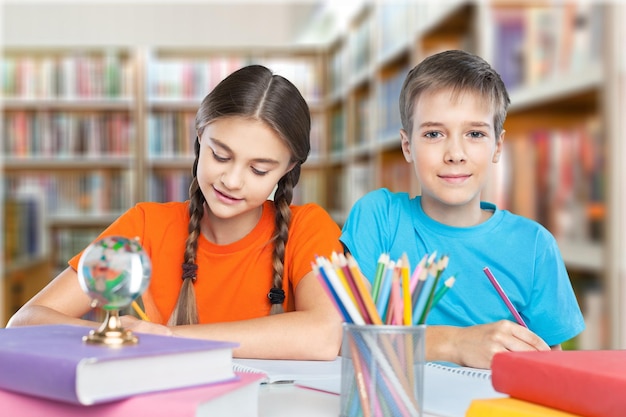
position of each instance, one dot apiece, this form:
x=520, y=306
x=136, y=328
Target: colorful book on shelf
x=590, y=383
x=511, y=407
x=52, y=361
x=234, y=398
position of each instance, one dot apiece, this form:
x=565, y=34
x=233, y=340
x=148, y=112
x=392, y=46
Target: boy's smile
x=452, y=148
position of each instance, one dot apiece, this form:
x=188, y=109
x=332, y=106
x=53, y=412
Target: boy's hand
x=476, y=345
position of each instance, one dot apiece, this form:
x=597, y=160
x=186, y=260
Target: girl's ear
x=406, y=145
x=499, y=147
x=290, y=167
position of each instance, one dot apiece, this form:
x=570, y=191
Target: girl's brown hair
x=252, y=92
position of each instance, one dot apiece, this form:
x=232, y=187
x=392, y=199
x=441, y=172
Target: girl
x=229, y=264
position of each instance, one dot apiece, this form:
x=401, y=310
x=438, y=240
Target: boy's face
x=452, y=148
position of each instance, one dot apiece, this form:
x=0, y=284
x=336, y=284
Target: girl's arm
x=62, y=301
x=312, y=332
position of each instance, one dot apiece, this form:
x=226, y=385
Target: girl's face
x=452, y=148
x=241, y=160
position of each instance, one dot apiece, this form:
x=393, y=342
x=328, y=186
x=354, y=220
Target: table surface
x=288, y=400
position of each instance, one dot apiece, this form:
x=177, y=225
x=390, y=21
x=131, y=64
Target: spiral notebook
x=449, y=389
x=290, y=371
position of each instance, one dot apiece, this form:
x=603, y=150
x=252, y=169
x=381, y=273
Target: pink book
x=235, y=398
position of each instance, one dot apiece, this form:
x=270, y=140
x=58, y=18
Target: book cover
x=511, y=407
x=52, y=361
x=590, y=383
x=235, y=398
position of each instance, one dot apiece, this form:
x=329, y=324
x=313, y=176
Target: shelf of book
x=94, y=130
x=554, y=59
x=69, y=137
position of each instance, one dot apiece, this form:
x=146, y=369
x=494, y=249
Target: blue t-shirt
x=521, y=253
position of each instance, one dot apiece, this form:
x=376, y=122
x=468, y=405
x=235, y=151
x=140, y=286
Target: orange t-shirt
x=232, y=280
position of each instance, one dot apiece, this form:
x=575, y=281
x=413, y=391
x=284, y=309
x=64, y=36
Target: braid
x=186, y=310
x=282, y=199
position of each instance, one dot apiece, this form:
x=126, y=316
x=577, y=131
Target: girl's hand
x=476, y=345
x=136, y=325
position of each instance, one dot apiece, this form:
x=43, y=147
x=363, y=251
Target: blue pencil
x=385, y=290
x=330, y=290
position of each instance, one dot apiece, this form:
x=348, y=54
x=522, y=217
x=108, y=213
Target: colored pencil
x=143, y=316
x=361, y=286
x=407, y=307
x=504, y=297
x=383, y=260
x=442, y=291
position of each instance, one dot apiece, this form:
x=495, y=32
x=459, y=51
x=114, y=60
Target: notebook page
x=449, y=389
x=290, y=370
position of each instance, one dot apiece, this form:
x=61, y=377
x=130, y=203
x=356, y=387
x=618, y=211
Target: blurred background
x=99, y=98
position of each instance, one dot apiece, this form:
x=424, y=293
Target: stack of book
x=585, y=383
x=48, y=370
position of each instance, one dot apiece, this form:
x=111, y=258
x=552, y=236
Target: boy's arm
x=475, y=346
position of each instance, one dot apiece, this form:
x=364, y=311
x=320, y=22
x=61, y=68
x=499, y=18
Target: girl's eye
x=219, y=158
x=259, y=172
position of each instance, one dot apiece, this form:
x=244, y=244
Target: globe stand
x=111, y=333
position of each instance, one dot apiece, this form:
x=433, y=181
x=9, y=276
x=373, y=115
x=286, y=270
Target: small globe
x=113, y=271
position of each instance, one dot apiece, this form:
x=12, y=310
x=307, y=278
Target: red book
x=236, y=398
x=590, y=383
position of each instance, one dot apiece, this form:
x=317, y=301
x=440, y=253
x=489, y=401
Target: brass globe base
x=111, y=333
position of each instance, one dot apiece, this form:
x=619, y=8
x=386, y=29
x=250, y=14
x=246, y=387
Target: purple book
x=52, y=361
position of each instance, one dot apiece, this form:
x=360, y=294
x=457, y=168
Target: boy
x=452, y=107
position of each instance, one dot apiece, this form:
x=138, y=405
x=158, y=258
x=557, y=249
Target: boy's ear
x=406, y=145
x=499, y=146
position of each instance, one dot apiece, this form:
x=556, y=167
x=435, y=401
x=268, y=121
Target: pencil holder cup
x=382, y=370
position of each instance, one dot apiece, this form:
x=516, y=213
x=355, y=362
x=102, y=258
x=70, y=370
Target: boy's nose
x=455, y=151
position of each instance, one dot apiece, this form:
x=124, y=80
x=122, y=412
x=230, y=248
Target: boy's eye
x=477, y=135
x=432, y=135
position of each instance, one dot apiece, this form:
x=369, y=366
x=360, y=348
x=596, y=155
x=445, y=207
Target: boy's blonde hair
x=461, y=72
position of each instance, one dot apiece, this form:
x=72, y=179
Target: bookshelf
x=567, y=105
x=561, y=127
x=91, y=131
x=69, y=127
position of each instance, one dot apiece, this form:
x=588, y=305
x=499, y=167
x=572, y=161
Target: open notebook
x=291, y=371
x=448, y=389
